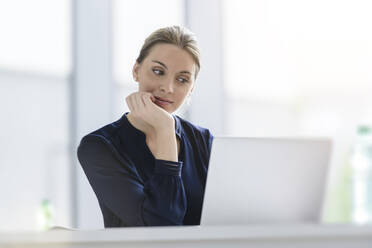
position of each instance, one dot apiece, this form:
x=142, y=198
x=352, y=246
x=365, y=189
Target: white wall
x=34, y=149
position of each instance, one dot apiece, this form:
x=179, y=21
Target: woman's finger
x=143, y=96
x=139, y=102
x=136, y=107
x=147, y=99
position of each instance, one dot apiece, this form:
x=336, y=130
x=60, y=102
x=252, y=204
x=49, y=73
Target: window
x=300, y=68
x=35, y=63
x=35, y=36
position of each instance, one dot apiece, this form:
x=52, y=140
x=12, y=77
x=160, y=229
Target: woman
x=149, y=167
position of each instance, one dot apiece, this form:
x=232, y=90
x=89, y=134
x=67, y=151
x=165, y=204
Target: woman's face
x=168, y=73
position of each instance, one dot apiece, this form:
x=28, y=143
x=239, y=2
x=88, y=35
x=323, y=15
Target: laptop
x=265, y=180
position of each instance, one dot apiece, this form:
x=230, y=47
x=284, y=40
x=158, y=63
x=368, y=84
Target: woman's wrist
x=164, y=127
x=166, y=145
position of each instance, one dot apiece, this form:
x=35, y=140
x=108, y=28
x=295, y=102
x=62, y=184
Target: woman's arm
x=157, y=124
x=165, y=145
x=159, y=201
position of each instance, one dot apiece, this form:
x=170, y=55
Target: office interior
x=269, y=69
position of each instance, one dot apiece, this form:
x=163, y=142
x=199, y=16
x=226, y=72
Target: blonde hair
x=176, y=35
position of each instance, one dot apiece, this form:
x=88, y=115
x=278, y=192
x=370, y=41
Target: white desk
x=296, y=236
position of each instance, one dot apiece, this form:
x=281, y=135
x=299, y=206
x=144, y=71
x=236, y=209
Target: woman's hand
x=162, y=139
x=143, y=108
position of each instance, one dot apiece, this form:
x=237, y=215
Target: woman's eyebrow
x=161, y=63
x=185, y=72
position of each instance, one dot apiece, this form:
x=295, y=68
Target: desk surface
x=304, y=235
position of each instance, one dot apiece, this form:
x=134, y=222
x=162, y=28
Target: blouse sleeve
x=159, y=201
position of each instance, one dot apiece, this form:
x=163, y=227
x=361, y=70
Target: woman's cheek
x=151, y=75
x=155, y=78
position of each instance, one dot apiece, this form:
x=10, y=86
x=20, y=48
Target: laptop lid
x=265, y=180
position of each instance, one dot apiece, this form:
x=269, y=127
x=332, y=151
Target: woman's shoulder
x=95, y=145
x=103, y=145
x=105, y=133
x=104, y=140
x=191, y=129
x=199, y=137
x=99, y=157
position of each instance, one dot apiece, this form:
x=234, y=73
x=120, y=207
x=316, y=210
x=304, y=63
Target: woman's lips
x=162, y=102
x=163, y=99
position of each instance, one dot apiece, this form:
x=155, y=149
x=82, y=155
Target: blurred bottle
x=361, y=166
x=45, y=215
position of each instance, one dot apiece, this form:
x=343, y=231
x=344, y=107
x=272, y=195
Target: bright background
x=269, y=68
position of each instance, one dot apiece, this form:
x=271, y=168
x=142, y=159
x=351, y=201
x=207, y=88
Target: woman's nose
x=167, y=86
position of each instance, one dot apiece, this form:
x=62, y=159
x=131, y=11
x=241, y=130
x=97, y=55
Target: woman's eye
x=183, y=80
x=158, y=72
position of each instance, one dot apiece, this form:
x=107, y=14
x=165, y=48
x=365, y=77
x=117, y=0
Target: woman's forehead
x=171, y=56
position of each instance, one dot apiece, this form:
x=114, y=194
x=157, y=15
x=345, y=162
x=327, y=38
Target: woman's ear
x=135, y=71
x=192, y=89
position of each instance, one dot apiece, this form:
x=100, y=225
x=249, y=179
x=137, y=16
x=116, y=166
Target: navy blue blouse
x=135, y=189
